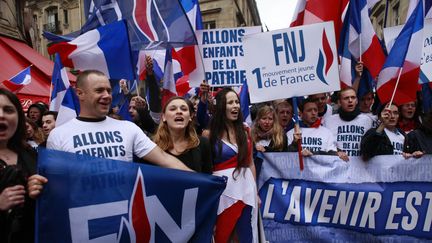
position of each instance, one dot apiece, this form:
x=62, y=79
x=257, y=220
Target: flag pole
x=297, y=130
x=394, y=91
x=360, y=48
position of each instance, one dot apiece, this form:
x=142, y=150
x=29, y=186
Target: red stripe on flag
x=64, y=49
x=374, y=57
x=226, y=222
x=406, y=90
x=166, y=95
x=186, y=57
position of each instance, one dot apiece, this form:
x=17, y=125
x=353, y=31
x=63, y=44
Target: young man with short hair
x=349, y=125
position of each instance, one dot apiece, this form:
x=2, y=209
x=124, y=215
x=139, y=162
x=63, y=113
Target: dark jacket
x=418, y=140
x=374, y=143
x=17, y=224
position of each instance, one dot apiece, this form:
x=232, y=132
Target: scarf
x=349, y=116
x=264, y=135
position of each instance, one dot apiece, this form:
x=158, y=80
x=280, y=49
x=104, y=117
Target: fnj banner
x=91, y=199
x=222, y=54
x=291, y=62
x=390, y=35
x=386, y=199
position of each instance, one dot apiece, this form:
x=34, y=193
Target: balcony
x=52, y=27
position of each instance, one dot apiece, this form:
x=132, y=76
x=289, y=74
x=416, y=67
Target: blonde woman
x=267, y=133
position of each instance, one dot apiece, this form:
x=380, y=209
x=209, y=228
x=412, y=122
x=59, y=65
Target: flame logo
x=142, y=18
x=137, y=228
x=327, y=58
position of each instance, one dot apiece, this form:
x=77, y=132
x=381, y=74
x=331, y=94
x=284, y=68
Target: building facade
x=396, y=14
x=12, y=19
x=59, y=17
x=229, y=13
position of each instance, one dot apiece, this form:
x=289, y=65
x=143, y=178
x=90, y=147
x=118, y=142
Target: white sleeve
x=53, y=141
x=142, y=144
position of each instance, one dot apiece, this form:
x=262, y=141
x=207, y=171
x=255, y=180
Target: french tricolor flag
x=245, y=103
x=18, y=81
x=106, y=49
x=63, y=97
x=186, y=55
x=363, y=43
x=403, y=62
x=172, y=72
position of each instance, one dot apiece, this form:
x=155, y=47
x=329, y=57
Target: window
x=209, y=25
x=52, y=16
x=66, y=16
x=52, y=24
x=395, y=15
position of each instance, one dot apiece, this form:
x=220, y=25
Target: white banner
x=390, y=35
x=221, y=51
x=291, y=62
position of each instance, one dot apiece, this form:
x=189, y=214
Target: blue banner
x=91, y=199
x=386, y=199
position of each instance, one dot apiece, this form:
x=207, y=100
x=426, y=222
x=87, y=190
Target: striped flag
x=63, y=97
x=105, y=49
x=404, y=61
x=17, y=82
x=363, y=43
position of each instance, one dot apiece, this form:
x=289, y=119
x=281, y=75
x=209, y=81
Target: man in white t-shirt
x=349, y=125
x=95, y=134
x=315, y=138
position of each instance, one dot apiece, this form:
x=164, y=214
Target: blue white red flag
x=63, y=97
x=347, y=61
x=150, y=22
x=17, y=82
x=124, y=111
x=171, y=74
x=245, y=103
x=317, y=11
x=363, y=43
x=427, y=4
x=60, y=83
x=89, y=199
x=69, y=108
x=186, y=55
x=404, y=60
x=105, y=49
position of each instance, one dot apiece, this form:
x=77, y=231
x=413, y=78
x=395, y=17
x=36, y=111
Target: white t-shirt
x=327, y=114
x=110, y=138
x=374, y=119
x=315, y=139
x=348, y=134
x=396, y=139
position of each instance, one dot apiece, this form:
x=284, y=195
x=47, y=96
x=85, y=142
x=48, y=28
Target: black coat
x=374, y=143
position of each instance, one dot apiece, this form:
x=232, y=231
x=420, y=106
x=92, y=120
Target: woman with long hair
x=232, y=157
x=17, y=162
x=176, y=135
x=267, y=133
x=34, y=133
